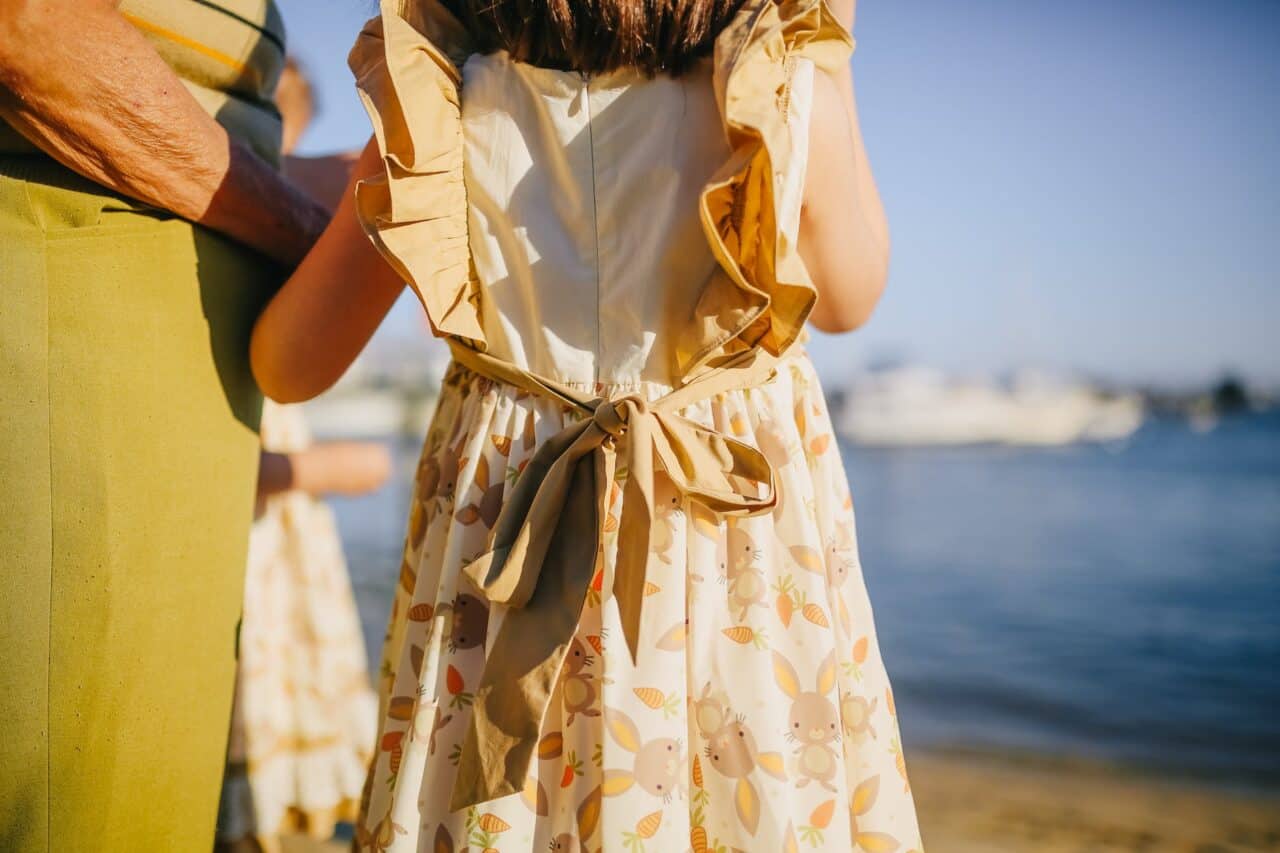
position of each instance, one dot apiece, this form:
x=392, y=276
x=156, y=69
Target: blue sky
x=1090, y=186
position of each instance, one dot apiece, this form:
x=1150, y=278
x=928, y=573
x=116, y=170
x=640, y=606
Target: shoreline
x=991, y=802
x=973, y=802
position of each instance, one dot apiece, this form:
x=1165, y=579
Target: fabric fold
x=762, y=294
x=415, y=212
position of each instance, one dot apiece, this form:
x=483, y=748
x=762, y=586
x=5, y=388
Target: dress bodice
x=583, y=212
x=597, y=229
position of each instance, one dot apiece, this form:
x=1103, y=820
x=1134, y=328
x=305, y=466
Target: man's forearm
x=82, y=84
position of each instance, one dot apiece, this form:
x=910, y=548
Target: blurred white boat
x=382, y=398
x=912, y=406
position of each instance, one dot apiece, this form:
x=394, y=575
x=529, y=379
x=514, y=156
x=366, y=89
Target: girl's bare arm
x=83, y=85
x=844, y=237
x=329, y=308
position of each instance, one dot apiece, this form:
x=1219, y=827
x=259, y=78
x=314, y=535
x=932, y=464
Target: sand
x=982, y=804
x=987, y=804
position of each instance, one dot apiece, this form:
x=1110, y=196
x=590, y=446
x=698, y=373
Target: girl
x=302, y=725
x=630, y=611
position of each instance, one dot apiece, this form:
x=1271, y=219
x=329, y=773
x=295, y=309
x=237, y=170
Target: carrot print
x=648, y=825
x=483, y=830
x=572, y=769
x=818, y=821
x=455, y=685
x=743, y=635
x=392, y=742
x=789, y=598
x=900, y=762
x=815, y=614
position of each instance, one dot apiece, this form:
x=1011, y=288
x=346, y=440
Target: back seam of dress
x=595, y=218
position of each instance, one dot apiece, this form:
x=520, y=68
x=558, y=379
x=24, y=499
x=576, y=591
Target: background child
x=304, y=719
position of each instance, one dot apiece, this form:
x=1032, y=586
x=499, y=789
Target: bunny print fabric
x=757, y=716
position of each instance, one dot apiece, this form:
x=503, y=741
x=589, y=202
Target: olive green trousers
x=128, y=454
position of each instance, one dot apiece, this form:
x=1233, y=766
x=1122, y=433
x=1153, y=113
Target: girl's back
x=630, y=611
x=584, y=225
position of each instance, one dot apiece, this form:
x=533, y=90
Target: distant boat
x=387, y=393
x=915, y=406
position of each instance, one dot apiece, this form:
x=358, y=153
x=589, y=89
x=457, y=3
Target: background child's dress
x=304, y=716
x=602, y=232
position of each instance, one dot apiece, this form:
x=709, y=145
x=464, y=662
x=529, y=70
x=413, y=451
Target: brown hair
x=654, y=36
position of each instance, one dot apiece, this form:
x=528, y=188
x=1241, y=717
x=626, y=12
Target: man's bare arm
x=84, y=85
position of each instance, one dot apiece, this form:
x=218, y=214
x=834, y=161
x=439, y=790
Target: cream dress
x=757, y=715
x=303, y=723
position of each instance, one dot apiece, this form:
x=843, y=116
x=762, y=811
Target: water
x=1115, y=603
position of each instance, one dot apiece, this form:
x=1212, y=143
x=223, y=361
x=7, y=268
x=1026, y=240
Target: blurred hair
x=592, y=36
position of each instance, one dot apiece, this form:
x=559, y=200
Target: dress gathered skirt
x=759, y=715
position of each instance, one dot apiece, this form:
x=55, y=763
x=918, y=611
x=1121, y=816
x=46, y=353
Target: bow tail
x=524, y=662
x=634, y=531
x=509, y=570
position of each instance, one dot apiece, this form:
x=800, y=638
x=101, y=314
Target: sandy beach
x=975, y=804
x=986, y=804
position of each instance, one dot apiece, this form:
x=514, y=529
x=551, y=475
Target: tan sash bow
x=549, y=537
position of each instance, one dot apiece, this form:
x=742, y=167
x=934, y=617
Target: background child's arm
x=844, y=237
x=334, y=467
x=329, y=308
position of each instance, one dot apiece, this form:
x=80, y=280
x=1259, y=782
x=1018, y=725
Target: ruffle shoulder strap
x=762, y=295
x=406, y=64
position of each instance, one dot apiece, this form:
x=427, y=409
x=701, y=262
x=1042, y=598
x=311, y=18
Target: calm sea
x=1103, y=602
